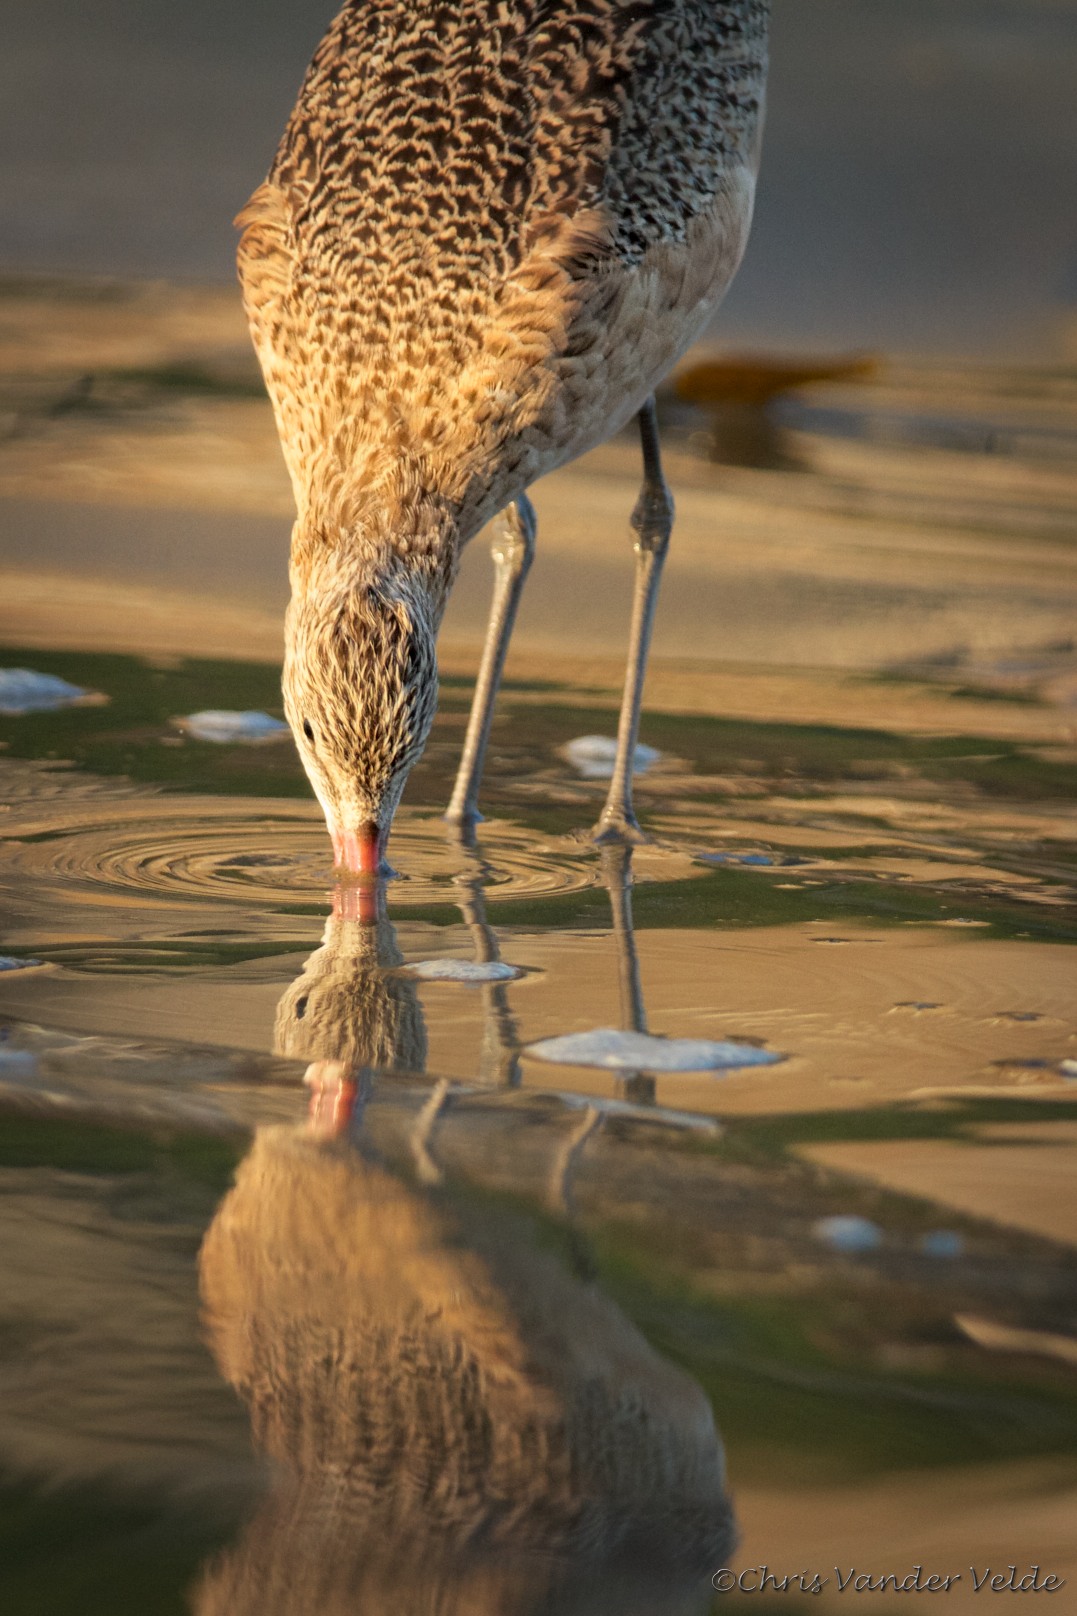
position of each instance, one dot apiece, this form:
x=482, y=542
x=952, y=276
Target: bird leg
x=513, y=550
x=652, y=521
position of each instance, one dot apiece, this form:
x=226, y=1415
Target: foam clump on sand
x=762, y=860
x=454, y=970
x=593, y=756
x=942, y=1243
x=17, y=1065
x=617, y=1051
x=24, y=691
x=222, y=727
x=849, y=1234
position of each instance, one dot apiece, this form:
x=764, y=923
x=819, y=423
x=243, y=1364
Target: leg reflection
x=499, y=1057
x=616, y=862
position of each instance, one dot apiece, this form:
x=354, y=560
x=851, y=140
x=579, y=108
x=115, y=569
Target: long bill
x=358, y=849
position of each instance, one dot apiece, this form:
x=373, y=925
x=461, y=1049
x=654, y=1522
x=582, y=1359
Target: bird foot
x=619, y=828
x=462, y=825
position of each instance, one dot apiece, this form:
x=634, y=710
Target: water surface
x=322, y=1292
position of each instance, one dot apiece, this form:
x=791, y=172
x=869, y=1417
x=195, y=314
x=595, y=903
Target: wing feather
x=266, y=259
x=466, y=195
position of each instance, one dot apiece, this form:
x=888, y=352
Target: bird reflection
x=350, y=1013
x=499, y=1060
x=617, y=874
x=354, y=1012
x=455, y=1421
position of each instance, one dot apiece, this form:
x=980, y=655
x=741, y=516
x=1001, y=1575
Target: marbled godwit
x=490, y=228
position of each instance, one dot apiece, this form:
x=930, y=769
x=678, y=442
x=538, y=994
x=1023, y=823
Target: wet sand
x=861, y=861
x=913, y=1522
x=158, y=487
x=1037, y=1191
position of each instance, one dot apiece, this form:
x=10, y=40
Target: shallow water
x=460, y=1329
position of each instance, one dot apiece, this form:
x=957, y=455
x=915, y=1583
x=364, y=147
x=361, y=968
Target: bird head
x=360, y=691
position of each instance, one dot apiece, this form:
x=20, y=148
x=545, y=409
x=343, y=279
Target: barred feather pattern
x=351, y=1005
x=490, y=228
x=444, y=1404
x=464, y=210
x=360, y=692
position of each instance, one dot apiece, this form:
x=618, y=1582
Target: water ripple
x=218, y=853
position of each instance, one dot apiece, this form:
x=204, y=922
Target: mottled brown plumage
x=456, y=1422
x=490, y=228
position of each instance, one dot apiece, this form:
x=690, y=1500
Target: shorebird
x=491, y=227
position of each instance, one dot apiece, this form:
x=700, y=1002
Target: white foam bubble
x=24, y=691
x=223, y=727
x=593, y=756
x=617, y=1051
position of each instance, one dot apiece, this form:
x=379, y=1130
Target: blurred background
x=862, y=710
x=917, y=193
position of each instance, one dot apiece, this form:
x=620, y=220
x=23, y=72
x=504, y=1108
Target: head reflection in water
x=348, y=1013
x=457, y=1423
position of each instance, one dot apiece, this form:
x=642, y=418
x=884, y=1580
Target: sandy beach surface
x=863, y=702
x=144, y=507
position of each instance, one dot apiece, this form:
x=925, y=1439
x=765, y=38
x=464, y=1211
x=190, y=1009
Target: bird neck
x=403, y=549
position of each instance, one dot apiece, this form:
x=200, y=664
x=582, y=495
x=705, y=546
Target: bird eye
x=308, y=731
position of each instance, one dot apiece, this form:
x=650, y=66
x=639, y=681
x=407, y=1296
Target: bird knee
x=513, y=545
x=652, y=519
